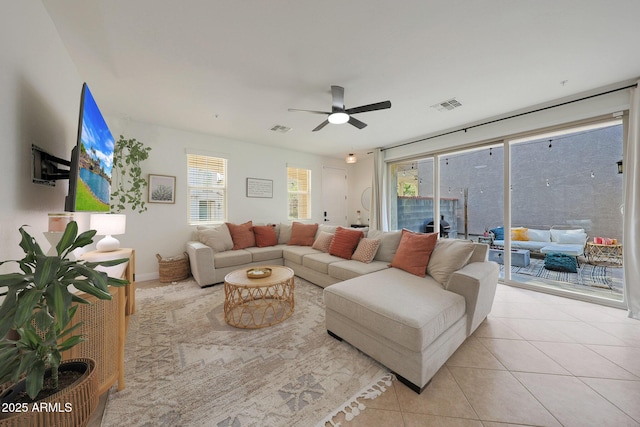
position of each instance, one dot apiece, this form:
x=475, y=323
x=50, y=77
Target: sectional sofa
x=409, y=318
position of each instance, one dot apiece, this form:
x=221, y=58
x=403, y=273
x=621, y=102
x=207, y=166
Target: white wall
x=163, y=228
x=40, y=89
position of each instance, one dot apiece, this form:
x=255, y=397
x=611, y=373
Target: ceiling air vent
x=447, y=105
x=281, y=129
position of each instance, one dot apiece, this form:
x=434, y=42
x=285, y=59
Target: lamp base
x=108, y=244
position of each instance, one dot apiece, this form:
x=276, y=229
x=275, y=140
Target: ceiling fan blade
x=371, y=107
x=357, y=123
x=337, y=95
x=321, y=125
x=309, y=111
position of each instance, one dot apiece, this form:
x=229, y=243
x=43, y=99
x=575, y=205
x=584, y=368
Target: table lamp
x=108, y=225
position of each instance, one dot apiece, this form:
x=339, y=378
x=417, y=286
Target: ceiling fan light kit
x=338, y=118
x=340, y=115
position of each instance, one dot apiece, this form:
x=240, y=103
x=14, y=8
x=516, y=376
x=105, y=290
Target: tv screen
x=91, y=160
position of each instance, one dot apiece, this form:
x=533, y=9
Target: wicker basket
x=173, y=268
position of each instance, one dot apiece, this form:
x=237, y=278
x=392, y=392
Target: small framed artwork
x=162, y=189
x=262, y=188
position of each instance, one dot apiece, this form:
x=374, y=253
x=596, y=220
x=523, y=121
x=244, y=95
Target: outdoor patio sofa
x=568, y=240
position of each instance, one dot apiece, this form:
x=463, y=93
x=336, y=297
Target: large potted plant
x=36, y=327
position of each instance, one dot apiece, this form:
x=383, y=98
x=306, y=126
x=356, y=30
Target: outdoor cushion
x=498, y=232
x=561, y=262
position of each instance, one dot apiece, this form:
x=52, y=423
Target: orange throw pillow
x=303, y=234
x=242, y=235
x=414, y=251
x=345, y=242
x=265, y=235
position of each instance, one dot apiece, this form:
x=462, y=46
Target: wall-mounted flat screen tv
x=91, y=160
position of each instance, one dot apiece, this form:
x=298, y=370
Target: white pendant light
x=351, y=158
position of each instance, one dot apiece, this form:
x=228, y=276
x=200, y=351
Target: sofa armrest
x=476, y=282
x=202, y=263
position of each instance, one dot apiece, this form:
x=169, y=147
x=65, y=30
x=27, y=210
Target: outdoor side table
x=604, y=254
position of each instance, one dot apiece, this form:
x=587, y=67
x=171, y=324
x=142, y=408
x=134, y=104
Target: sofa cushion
x=498, y=232
x=345, y=270
x=320, y=262
x=366, y=250
x=414, y=251
x=265, y=235
x=296, y=253
x=407, y=309
x=448, y=256
x=323, y=241
x=267, y=253
x=217, y=237
x=302, y=234
x=284, y=234
x=539, y=235
x=242, y=235
x=389, y=241
x=556, y=233
x=520, y=233
x=345, y=242
x=572, y=238
x=231, y=258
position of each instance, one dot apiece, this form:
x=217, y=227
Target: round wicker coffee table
x=252, y=303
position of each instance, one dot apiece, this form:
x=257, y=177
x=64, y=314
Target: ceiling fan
x=340, y=115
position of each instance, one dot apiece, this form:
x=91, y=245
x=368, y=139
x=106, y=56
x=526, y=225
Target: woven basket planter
x=174, y=268
x=70, y=407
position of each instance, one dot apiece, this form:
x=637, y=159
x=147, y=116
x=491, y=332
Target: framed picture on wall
x=162, y=189
x=261, y=188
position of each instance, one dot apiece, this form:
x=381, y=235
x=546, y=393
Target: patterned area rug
x=598, y=276
x=185, y=366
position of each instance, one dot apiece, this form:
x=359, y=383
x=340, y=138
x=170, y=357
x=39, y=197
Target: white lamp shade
x=107, y=225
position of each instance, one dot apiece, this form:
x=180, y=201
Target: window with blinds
x=207, y=189
x=299, y=193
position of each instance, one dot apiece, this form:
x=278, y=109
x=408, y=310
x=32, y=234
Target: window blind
x=207, y=189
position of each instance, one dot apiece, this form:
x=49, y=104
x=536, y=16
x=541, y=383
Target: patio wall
x=572, y=197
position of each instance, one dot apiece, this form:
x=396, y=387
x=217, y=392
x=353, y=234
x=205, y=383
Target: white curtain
x=378, y=220
x=631, y=170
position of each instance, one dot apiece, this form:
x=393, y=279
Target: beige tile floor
x=538, y=360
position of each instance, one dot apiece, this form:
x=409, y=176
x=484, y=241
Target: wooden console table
x=105, y=322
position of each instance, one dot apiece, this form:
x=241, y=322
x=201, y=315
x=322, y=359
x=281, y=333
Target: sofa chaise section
x=408, y=323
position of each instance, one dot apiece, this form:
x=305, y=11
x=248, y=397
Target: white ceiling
x=233, y=67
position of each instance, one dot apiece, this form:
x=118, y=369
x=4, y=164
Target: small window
x=207, y=189
x=299, y=193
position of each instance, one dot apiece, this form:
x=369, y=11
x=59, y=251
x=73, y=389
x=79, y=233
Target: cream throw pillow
x=448, y=256
x=217, y=237
x=323, y=241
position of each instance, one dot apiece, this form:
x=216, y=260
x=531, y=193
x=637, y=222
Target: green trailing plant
x=128, y=154
x=39, y=307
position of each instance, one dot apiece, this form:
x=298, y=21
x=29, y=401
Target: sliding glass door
x=555, y=224
x=566, y=221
